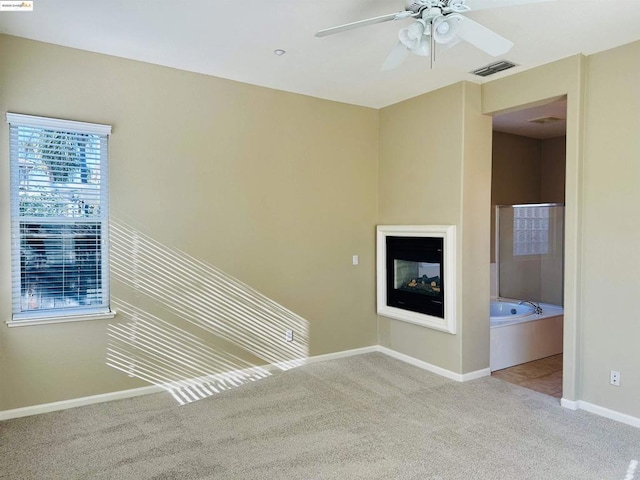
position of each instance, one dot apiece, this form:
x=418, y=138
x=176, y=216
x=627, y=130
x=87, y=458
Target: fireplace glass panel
x=417, y=277
x=415, y=274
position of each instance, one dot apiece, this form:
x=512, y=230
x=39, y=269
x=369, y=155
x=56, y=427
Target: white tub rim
x=548, y=311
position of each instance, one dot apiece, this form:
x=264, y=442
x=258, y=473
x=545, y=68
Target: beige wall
x=439, y=173
x=419, y=184
x=475, y=235
x=516, y=169
x=611, y=232
x=515, y=174
x=276, y=189
x=552, y=169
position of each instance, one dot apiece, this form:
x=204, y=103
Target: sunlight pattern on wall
x=158, y=352
x=207, y=297
x=183, y=363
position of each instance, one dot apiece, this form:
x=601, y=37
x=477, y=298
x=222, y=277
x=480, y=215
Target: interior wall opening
x=527, y=245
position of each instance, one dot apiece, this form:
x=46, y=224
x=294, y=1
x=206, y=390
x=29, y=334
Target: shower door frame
x=497, y=238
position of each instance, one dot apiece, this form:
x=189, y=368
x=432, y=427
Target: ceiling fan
x=438, y=22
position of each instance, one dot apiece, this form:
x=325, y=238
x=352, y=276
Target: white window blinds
x=59, y=215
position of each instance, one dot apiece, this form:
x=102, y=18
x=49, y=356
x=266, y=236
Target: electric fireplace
x=416, y=269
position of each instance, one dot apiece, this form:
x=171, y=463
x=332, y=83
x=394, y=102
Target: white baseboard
x=78, y=402
x=443, y=372
x=569, y=404
x=343, y=354
x=484, y=372
x=601, y=411
x=464, y=377
x=136, y=392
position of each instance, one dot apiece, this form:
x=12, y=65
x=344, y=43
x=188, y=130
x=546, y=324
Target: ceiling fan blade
x=484, y=4
x=362, y=23
x=448, y=45
x=398, y=54
x=483, y=38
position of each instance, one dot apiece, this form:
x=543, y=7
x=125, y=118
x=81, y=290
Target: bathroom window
x=530, y=230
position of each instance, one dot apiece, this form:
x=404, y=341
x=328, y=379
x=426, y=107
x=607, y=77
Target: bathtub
x=519, y=335
x=501, y=312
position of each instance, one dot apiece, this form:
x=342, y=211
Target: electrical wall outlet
x=614, y=378
x=288, y=336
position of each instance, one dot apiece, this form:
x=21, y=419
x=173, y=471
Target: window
x=59, y=219
x=530, y=230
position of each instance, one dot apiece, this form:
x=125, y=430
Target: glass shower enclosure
x=530, y=252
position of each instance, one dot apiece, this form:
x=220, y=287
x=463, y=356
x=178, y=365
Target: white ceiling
x=548, y=120
x=236, y=40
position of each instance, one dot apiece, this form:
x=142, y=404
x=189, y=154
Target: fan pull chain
x=432, y=57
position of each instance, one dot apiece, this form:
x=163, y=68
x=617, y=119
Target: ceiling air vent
x=545, y=120
x=494, y=68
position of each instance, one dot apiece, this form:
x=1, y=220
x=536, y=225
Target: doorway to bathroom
x=527, y=247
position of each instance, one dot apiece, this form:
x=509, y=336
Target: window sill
x=67, y=319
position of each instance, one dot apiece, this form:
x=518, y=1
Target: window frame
x=59, y=314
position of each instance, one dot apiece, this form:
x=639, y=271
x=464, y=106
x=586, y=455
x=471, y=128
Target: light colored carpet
x=364, y=417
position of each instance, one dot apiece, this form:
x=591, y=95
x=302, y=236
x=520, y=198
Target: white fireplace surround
x=448, y=234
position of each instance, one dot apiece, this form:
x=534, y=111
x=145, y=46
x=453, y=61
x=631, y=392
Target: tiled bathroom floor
x=544, y=375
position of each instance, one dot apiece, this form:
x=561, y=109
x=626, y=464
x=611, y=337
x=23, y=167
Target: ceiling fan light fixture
x=445, y=29
x=411, y=36
x=458, y=6
x=407, y=40
x=423, y=49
